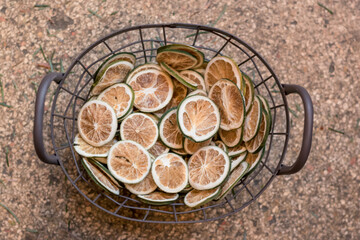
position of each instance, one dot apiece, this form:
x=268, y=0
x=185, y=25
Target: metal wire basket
x=73, y=90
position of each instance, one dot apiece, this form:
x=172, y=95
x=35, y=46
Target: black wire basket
x=73, y=90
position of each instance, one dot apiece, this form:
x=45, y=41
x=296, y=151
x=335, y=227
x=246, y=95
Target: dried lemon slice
x=140, y=128
x=196, y=198
x=129, y=162
x=170, y=172
x=159, y=198
x=97, y=123
x=198, y=118
x=208, y=168
x=170, y=133
x=86, y=150
x=231, y=138
x=230, y=101
x=120, y=97
x=191, y=147
x=222, y=67
x=253, y=120
x=177, y=59
x=146, y=186
x=153, y=90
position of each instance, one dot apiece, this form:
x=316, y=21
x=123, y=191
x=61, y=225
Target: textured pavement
x=303, y=42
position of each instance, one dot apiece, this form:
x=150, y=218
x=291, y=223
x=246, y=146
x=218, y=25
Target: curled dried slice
x=180, y=78
x=86, y=150
x=146, y=186
x=189, y=49
x=237, y=150
x=177, y=59
x=258, y=142
x=253, y=159
x=194, y=78
x=196, y=198
x=235, y=161
x=249, y=91
x=159, y=198
x=253, y=120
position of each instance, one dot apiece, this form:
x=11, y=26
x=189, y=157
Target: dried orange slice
x=198, y=118
x=208, y=168
x=86, y=150
x=129, y=162
x=120, y=97
x=230, y=101
x=222, y=67
x=191, y=147
x=196, y=198
x=158, y=149
x=97, y=123
x=170, y=172
x=146, y=186
x=159, y=198
x=177, y=59
x=140, y=128
x=253, y=120
x=231, y=138
x=194, y=78
x=170, y=133
x=153, y=90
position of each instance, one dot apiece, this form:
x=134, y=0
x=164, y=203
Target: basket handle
x=39, y=117
x=307, y=133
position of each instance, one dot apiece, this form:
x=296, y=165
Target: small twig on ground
x=337, y=131
x=327, y=9
x=41, y=6
x=31, y=230
x=113, y=13
x=293, y=113
x=11, y=212
x=2, y=91
x=5, y=105
x=94, y=13
x=7, y=155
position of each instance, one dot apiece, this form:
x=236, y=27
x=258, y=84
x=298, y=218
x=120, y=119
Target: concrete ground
x=305, y=44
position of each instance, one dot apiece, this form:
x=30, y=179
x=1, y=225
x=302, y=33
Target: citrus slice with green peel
x=114, y=73
x=191, y=147
x=175, y=74
x=220, y=144
x=176, y=59
x=198, y=118
x=125, y=116
x=187, y=189
x=97, y=123
x=158, y=198
x=230, y=101
x=129, y=162
x=100, y=159
x=195, y=78
x=200, y=70
x=140, y=128
x=258, y=142
x=237, y=150
x=153, y=90
x=123, y=56
x=196, y=198
x=253, y=120
x=235, y=176
x=120, y=97
x=222, y=67
x=87, y=150
x=235, y=161
x=153, y=117
x=170, y=172
x=191, y=50
x=141, y=68
x=181, y=151
x=101, y=176
x=198, y=92
x=253, y=159
x=231, y=138
x=158, y=149
x=249, y=91
x=266, y=108
x=170, y=133
x=208, y=168
x=146, y=186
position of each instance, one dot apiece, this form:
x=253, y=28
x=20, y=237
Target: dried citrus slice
x=100, y=159
x=158, y=149
x=159, y=198
x=208, y=168
x=191, y=147
x=258, y=142
x=142, y=67
x=198, y=118
x=175, y=74
x=222, y=67
x=198, y=92
x=196, y=198
x=200, y=70
x=170, y=133
x=101, y=176
x=114, y=73
x=170, y=172
x=220, y=144
x=231, y=138
x=233, y=179
x=235, y=161
x=230, y=101
x=123, y=56
x=176, y=59
x=266, y=108
x=140, y=128
x=253, y=120
x=146, y=186
x=86, y=150
x=194, y=78
x=187, y=189
x=191, y=50
x=253, y=159
x=97, y=123
x=153, y=90
x=237, y=150
x=120, y=97
x=129, y=162
x=181, y=151
x=249, y=91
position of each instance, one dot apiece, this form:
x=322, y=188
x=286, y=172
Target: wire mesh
x=143, y=41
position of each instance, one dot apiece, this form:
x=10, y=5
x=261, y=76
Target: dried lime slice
x=146, y=186
x=235, y=161
x=87, y=150
x=158, y=198
x=181, y=151
x=176, y=59
x=194, y=78
x=198, y=92
x=170, y=133
x=249, y=91
x=196, y=198
x=141, y=68
x=237, y=150
x=191, y=147
x=220, y=144
x=258, y=142
x=191, y=50
x=231, y=138
x=253, y=159
x=253, y=120
x=175, y=74
x=158, y=149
